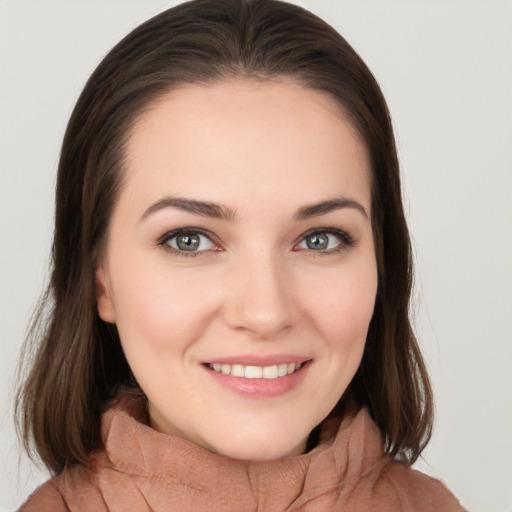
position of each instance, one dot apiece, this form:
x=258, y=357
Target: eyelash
x=346, y=241
x=163, y=241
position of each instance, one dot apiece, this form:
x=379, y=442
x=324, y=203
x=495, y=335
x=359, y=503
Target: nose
x=260, y=297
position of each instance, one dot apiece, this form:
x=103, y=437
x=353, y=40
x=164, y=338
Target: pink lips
x=253, y=360
x=259, y=387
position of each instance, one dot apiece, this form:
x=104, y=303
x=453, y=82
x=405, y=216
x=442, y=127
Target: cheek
x=342, y=305
x=160, y=310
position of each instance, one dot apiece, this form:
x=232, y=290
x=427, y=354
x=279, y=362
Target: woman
x=231, y=280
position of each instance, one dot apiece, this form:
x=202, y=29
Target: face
x=240, y=268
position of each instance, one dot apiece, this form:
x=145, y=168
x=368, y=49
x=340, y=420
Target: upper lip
x=259, y=360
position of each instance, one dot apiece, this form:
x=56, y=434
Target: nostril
x=259, y=299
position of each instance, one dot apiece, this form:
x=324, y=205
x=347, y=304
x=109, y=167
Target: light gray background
x=446, y=70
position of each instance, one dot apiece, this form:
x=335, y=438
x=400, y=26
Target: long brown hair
x=78, y=363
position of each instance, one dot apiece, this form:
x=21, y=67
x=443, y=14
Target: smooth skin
x=254, y=270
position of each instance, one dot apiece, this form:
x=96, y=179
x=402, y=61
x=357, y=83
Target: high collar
x=349, y=447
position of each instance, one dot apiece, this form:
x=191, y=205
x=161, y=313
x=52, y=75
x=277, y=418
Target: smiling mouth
x=257, y=372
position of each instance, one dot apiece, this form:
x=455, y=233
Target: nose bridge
x=261, y=299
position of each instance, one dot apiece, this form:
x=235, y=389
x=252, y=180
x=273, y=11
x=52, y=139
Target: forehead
x=240, y=135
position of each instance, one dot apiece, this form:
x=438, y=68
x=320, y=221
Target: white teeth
x=237, y=370
x=256, y=372
x=270, y=372
x=282, y=370
x=253, y=372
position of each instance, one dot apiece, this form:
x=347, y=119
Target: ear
x=103, y=297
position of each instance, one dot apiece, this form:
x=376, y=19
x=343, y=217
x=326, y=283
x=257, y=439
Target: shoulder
x=45, y=498
x=76, y=489
x=364, y=477
x=415, y=490
x=97, y=487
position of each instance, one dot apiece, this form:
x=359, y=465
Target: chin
x=261, y=451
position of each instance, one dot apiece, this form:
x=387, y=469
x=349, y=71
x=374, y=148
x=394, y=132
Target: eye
x=325, y=241
x=187, y=241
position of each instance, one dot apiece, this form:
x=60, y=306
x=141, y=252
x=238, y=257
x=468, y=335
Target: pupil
x=188, y=242
x=317, y=242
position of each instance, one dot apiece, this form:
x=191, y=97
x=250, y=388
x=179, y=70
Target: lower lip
x=260, y=388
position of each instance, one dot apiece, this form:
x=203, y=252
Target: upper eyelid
x=346, y=241
x=161, y=240
x=179, y=231
x=332, y=231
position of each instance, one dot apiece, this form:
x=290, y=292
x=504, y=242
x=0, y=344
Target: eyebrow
x=203, y=208
x=324, y=207
x=219, y=211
